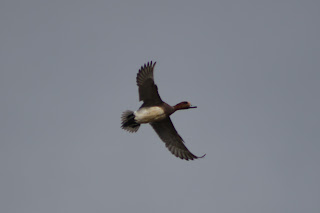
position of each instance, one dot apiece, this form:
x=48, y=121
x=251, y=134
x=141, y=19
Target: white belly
x=149, y=114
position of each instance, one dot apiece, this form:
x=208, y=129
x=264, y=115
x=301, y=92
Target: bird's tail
x=128, y=122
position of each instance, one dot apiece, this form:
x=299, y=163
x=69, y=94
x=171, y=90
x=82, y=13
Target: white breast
x=149, y=114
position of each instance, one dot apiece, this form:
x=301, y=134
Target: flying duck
x=157, y=113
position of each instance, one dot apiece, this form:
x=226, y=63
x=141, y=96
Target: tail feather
x=128, y=122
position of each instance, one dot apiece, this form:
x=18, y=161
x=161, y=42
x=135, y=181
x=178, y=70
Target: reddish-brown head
x=183, y=105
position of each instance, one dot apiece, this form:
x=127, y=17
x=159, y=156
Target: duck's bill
x=193, y=106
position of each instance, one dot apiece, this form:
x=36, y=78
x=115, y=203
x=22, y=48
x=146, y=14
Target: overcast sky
x=67, y=72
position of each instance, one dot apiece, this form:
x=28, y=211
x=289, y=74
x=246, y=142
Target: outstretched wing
x=172, y=139
x=148, y=91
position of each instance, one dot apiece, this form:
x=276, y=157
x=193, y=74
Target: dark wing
x=148, y=91
x=172, y=139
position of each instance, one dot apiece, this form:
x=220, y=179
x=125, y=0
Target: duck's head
x=183, y=105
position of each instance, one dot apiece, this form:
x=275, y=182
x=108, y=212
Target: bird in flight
x=157, y=113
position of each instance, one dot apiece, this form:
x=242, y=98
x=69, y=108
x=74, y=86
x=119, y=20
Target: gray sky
x=68, y=71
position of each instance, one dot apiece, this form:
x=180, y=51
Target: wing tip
x=183, y=155
x=195, y=157
x=145, y=72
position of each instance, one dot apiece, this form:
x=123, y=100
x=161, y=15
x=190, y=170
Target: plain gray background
x=68, y=70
